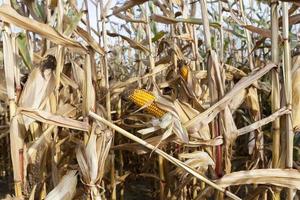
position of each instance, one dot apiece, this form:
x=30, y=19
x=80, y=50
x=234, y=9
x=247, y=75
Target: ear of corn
x=184, y=71
x=143, y=97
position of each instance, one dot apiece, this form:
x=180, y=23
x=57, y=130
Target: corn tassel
x=143, y=97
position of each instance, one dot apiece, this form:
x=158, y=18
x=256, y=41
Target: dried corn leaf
x=198, y=160
x=208, y=115
x=129, y=19
x=66, y=81
x=131, y=42
x=289, y=178
x=263, y=32
x=127, y=5
x=157, y=69
x=139, y=149
x=9, y=15
x=211, y=142
x=163, y=19
x=44, y=139
x=53, y=119
x=262, y=122
x=9, y=64
x=171, y=20
x=294, y=19
x=90, y=40
x=196, y=154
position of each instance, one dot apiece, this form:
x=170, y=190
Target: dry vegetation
x=160, y=99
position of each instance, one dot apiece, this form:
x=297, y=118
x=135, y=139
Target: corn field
x=150, y=99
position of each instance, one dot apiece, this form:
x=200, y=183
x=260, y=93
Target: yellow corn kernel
x=143, y=97
x=184, y=71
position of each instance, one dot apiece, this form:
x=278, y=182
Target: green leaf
x=23, y=49
x=16, y=6
x=73, y=22
x=191, y=20
x=39, y=8
x=36, y=9
x=158, y=36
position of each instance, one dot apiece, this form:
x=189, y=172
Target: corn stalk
x=288, y=91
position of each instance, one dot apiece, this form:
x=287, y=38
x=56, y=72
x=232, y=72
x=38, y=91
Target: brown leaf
x=127, y=5
x=261, y=31
x=131, y=42
x=89, y=39
x=163, y=19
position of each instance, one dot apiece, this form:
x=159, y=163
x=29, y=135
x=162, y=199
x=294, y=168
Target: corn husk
x=66, y=188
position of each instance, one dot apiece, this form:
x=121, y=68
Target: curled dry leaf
x=198, y=160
